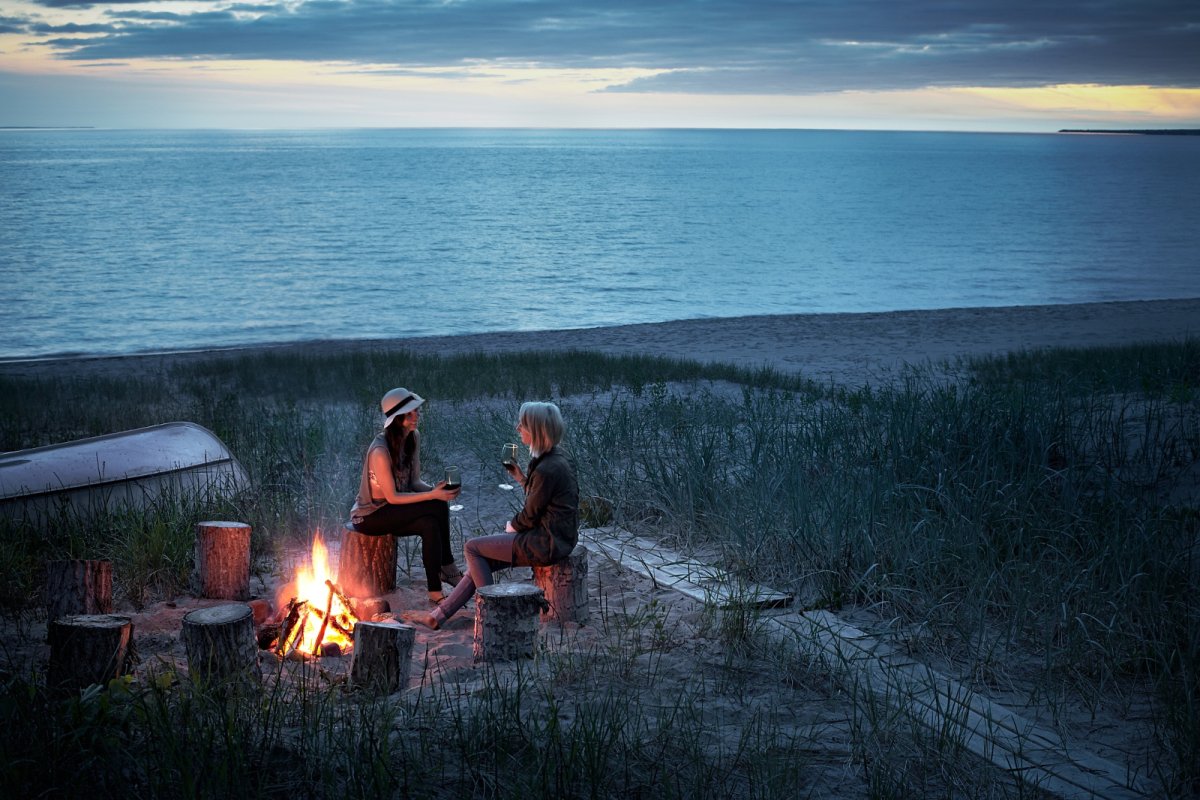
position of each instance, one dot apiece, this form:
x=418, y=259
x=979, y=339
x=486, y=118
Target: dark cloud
x=94, y=3
x=13, y=25
x=723, y=46
x=73, y=27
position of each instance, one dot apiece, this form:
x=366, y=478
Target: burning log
x=506, y=616
x=223, y=560
x=346, y=602
x=324, y=619
x=220, y=643
x=565, y=587
x=293, y=624
x=88, y=649
x=75, y=586
x=368, y=564
x=382, y=656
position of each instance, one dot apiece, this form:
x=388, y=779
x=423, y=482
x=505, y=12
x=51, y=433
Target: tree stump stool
x=382, y=656
x=565, y=587
x=220, y=643
x=86, y=649
x=75, y=586
x=367, y=564
x=223, y=560
x=506, y=617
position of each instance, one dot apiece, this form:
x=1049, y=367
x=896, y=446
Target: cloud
x=704, y=46
x=14, y=25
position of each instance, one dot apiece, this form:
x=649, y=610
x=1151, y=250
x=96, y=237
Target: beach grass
x=1032, y=526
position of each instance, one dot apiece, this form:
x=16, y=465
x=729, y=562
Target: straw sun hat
x=397, y=403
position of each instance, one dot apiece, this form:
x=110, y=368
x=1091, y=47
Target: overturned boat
x=129, y=469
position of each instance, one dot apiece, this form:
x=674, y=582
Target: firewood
x=293, y=626
x=346, y=602
x=324, y=620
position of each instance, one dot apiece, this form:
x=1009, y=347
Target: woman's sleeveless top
x=370, y=497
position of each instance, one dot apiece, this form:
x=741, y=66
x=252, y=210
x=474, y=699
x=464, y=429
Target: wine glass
x=454, y=481
x=508, y=456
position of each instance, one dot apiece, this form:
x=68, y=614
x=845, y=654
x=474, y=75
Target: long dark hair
x=400, y=444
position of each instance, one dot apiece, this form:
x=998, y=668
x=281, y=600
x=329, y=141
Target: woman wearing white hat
x=392, y=498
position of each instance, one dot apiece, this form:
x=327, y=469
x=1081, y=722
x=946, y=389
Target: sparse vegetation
x=1035, y=523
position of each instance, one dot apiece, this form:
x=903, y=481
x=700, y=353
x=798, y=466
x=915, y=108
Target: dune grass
x=1037, y=522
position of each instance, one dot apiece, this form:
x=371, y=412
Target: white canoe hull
x=129, y=469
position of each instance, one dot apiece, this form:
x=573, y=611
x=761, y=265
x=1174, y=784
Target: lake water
x=127, y=241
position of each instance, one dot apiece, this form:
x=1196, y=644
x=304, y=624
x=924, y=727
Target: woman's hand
x=440, y=492
x=515, y=471
x=508, y=528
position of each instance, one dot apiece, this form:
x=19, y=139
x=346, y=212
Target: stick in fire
x=324, y=620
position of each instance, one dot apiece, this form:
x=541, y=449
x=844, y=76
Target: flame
x=325, y=615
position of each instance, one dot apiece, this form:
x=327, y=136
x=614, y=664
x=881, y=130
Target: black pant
x=429, y=519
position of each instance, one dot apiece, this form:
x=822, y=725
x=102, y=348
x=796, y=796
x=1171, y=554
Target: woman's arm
x=537, y=497
x=414, y=476
x=381, y=467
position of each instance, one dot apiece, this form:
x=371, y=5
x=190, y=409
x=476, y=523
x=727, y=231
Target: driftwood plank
x=1034, y=754
x=701, y=582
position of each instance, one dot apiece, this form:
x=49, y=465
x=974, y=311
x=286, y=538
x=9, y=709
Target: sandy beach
x=838, y=348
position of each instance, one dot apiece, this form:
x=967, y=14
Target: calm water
x=123, y=241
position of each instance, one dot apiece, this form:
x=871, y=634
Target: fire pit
x=317, y=619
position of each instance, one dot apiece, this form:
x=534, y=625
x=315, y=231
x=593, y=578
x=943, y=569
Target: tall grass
x=1045, y=506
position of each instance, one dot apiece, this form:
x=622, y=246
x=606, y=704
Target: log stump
x=506, y=617
x=87, y=649
x=565, y=587
x=75, y=586
x=223, y=560
x=220, y=643
x=382, y=656
x=367, y=564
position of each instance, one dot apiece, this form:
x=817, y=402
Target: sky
x=998, y=65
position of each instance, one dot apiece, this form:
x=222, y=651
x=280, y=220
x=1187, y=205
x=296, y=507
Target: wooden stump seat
x=382, y=656
x=87, y=649
x=506, y=621
x=223, y=560
x=367, y=564
x=565, y=586
x=75, y=586
x=220, y=643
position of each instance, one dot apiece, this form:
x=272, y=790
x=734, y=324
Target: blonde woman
x=543, y=532
x=393, y=500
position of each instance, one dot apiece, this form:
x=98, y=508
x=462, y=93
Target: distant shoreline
x=1137, y=132
x=844, y=348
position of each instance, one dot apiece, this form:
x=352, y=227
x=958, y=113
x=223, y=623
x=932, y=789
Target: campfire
x=318, y=620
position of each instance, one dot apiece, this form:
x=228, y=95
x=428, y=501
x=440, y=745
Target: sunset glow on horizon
x=499, y=63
